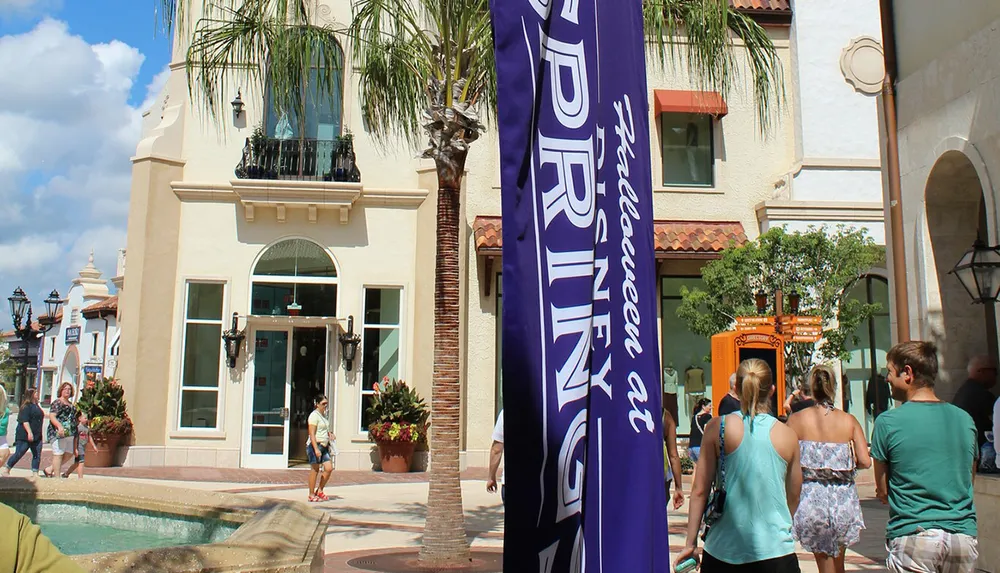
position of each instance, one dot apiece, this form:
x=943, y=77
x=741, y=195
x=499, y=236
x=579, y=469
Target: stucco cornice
x=829, y=211
x=394, y=197
x=285, y=194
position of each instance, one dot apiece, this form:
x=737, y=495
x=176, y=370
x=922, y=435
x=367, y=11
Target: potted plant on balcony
x=104, y=404
x=398, y=421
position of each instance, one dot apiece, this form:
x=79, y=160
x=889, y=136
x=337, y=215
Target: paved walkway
x=372, y=511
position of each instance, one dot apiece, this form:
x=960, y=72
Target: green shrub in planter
x=687, y=465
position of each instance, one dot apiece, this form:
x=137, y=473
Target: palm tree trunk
x=444, y=531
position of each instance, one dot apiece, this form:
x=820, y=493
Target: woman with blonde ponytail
x=757, y=460
x=832, y=447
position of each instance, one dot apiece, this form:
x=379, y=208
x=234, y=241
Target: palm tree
x=426, y=70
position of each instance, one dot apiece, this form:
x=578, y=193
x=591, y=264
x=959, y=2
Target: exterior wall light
x=349, y=341
x=238, y=104
x=979, y=272
x=233, y=339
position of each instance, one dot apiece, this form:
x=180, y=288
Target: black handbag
x=717, y=498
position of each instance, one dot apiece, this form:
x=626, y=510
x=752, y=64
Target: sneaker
x=4, y=471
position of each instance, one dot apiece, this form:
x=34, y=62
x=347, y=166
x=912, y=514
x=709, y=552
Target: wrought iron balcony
x=299, y=159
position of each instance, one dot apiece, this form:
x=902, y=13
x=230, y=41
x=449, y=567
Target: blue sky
x=78, y=75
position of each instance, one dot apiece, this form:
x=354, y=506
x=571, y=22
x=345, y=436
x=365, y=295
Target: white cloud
x=67, y=132
x=29, y=253
x=27, y=7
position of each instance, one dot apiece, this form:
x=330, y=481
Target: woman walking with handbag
x=753, y=462
x=832, y=447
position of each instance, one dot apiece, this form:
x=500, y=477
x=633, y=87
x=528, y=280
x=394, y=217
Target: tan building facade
x=223, y=223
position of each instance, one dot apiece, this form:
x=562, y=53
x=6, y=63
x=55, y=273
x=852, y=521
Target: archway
x=956, y=215
x=70, y=371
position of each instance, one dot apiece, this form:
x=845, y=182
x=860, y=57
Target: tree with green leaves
x=821, y=265
x=9, y=370
x=426, y=75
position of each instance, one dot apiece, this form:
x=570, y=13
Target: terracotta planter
x=397, y=457
x=102, y=451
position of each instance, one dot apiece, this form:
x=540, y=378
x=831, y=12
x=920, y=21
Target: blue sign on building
x=73, y=335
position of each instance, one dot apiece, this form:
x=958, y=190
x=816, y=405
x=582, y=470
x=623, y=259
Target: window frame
x=219, y=387
x=293, y=279
x=400, y=367
x=498, y=345
x=713, y=167
x=683, y=417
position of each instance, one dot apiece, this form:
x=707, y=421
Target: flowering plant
x=103, y=401
x=394, y=432
x=397, y=413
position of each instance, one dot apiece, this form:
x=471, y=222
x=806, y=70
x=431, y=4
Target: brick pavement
x=293, y=477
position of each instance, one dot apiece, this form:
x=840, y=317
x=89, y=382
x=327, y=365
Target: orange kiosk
x=749, y=341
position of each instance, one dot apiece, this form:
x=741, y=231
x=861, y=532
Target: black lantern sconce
x=238, y=104
x=233, y=339
x=760, y=299
x=349, y=342
x=979, y=272
x=794, y=299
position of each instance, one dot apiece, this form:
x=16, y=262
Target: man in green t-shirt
x=925, y=455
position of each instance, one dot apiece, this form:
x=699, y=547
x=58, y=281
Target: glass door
x=269, y=402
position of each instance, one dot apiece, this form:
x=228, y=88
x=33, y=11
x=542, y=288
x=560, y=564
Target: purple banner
x=583, y=435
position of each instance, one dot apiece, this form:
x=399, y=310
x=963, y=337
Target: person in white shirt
x=318, y=449
x=496, y=453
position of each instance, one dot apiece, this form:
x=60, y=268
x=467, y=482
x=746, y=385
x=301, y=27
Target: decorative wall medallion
x=863, y=65
x=325, y=14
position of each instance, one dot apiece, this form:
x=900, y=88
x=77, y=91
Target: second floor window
x=310, y=136
x=687, y=141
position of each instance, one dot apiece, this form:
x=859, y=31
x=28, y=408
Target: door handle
x=284, y=413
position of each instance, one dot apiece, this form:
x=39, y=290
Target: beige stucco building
x=222, y=222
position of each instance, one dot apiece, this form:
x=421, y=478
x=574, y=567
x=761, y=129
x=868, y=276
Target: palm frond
x=414, y=60
x=712, y=36
x=271, y=44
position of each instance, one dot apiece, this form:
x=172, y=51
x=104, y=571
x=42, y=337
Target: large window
x=295, y=277
x=321, y=121
x=865, y=391
x=202, y=355
x=685, y=369
x=688, y=150
x=380, y=344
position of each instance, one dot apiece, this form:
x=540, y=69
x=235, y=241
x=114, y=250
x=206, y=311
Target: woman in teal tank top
x=761, y=478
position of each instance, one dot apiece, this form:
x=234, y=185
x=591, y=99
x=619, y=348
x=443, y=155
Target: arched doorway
x=70, y=371
x=955, y=216
x=292, y=313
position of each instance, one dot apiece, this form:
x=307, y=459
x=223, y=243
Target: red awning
x=681, y=101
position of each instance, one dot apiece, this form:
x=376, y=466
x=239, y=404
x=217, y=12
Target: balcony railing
x=299, y=159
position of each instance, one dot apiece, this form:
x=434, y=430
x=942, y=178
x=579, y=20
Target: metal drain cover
x=406, y=562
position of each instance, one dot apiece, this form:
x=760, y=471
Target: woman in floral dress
x=62, y=429
x=832, y=446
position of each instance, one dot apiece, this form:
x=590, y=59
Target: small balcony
x=299, y=160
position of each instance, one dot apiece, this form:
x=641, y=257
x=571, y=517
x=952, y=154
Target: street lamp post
x=20, y=312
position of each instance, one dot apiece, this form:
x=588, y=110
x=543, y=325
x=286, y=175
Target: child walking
x=79, y=446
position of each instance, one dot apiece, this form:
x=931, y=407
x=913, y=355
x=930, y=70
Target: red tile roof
x=768, y=5
x=671, y=237
x=107, y=307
